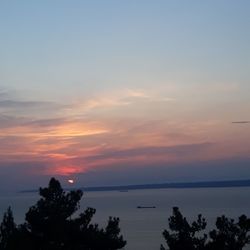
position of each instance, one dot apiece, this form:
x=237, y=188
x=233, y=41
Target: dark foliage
x=7, y=230
x=49, y=225
x=184, y=236
x=228, y=235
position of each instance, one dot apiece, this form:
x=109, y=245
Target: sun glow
x=71, y=181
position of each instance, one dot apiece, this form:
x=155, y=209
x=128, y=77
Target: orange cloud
x=141, y=131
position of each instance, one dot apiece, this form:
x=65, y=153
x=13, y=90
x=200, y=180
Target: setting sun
x=70, y=181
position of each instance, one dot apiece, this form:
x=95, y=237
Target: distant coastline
x=178, y=185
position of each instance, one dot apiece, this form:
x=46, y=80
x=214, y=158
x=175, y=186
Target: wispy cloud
x=9, y=101
x=150, y=151
x=115, y=100
x=241, y=122
x=130, y=127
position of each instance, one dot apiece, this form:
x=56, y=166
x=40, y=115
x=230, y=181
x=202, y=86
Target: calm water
x=142, y=228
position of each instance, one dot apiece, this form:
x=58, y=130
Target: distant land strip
x=205, y=184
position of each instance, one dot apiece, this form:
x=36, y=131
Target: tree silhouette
x=7, y=229
x=52, y=225
x=47, y=221
x=230, y=235
x=182, y=235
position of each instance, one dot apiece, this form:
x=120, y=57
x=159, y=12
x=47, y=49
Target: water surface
x=142, y=228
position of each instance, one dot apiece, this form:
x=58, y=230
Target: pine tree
x=185, y=236
x=7, y=230
x=230, y=235
x=52, y=225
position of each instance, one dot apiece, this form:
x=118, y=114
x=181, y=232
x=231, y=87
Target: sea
x=142, y=227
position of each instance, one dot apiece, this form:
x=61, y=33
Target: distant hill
x=207, y=184
x=203, y=184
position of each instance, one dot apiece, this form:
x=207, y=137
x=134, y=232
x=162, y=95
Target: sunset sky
x=124, y=92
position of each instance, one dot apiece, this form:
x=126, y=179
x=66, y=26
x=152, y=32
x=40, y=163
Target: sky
x=124, y=92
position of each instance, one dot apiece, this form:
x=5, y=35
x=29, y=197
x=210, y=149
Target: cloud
x=121, y=129
x=116, y=100
x=43, y=123
x=9, y=101
x=179, y=150
x=106, y=103
x=30, y=175
x=16, y=111
x=241, y=122
x=137, y=94
x=52, y=128
x=124, y=174
x=23, y=104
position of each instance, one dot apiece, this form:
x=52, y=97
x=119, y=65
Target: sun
x=71, y=181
